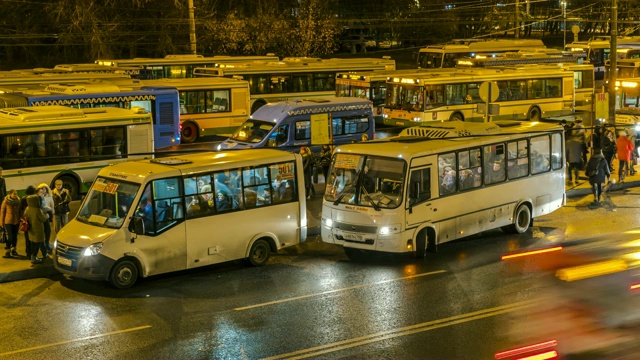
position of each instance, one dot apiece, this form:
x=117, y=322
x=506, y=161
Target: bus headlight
x=385, y=116
x=389, y=229
x=93, y=249
x=327, y=222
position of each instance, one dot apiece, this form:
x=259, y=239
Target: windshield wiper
x=369, y=199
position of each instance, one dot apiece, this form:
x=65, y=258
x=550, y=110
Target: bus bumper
x=95, y=267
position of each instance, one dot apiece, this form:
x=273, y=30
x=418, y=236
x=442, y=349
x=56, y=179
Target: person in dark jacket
x=37, y=219
x=307, y=164
x=598, y=172
x=31, y=190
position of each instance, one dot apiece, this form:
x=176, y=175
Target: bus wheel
x=521, y=221
x=456, y=117
x=534, y=114
x=189, y=132
x=71, y=184
x=124, y=274
x=259, y=253
x=421, y=245
x=257, y=105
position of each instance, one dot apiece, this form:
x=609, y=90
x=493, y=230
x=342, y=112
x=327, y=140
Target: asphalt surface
x=20, y=268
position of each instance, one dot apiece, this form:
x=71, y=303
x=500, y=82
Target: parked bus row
x=186, y=109
x=400, y=196
x=517, y=97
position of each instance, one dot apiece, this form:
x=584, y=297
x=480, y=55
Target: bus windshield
x=366, y=181
x=108, y=203
x=429, y=60
x=253, y=131
x=405, y=97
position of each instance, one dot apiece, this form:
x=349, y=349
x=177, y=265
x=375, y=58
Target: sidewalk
x=20, y=268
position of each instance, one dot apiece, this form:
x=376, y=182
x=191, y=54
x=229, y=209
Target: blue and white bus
x=161, y=102
x=288, y=124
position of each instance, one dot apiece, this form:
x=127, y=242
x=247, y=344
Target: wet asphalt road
x=462, y=303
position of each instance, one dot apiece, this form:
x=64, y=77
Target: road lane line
x=403, y=331
x=75, y=340
x=336, y=291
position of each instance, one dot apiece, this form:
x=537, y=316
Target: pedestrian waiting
x=598, y=172
x=10, y=215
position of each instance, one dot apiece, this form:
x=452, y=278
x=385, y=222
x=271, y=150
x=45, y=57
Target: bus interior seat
x=217, y=102
x=161, y=210
x=223, y=104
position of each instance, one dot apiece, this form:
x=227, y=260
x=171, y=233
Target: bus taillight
x=539, y=351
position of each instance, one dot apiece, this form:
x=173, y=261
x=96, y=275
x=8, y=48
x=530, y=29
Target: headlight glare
x=93, y=249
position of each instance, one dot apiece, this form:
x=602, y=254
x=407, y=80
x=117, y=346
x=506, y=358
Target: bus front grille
x=367, y=229
x=68, y=251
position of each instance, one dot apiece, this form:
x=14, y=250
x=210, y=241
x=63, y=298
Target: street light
x=564, y=22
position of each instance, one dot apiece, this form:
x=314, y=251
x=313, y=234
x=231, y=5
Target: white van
x=150, y=217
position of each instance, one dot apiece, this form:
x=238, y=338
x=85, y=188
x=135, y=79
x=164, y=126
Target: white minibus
x=142, y=218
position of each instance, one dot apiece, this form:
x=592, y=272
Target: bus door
x=163, y=246
x=421, y=191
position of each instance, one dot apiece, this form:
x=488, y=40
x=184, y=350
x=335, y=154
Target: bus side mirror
x=136, y=225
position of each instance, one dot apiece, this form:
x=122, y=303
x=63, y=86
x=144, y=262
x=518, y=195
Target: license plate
x=353, y=237
x=63, y=261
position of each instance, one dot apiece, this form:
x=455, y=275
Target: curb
x=580, y=191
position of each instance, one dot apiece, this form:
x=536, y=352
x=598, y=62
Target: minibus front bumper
x=70, y=260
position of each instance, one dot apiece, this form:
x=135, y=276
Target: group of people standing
x=321, y=162
x=605, y=145
x=42, y=208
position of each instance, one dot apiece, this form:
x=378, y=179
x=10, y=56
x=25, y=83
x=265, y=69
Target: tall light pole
x=613, y=62
x=564, y=22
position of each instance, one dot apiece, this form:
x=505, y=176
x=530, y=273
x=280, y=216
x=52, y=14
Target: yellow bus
x=208, y=106
x=445, y=55
x=294, y=78
x=525, y=93
x=46, y=143
x=177, y=66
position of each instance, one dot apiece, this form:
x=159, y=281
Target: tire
x=189, y=132
x=534, y=114
x=456, y=117
x=421, y=246
x=521, y=221
x=124, y=274
x=71, y=184
x=257, y=105
x=259, y=253
x=354, y=254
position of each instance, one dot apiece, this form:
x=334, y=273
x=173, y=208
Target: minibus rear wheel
x=521, y=221
x=124, y=274
x=259, y=253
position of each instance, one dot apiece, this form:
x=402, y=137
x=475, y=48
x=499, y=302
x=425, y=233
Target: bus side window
x=158, y=204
